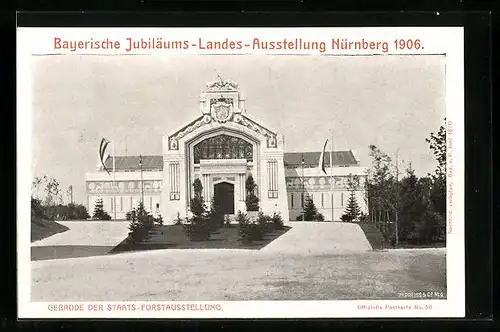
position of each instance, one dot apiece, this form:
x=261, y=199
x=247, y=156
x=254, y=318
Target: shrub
x=37, y=209
x=198, y=229
x=251, y=200
x=178, y=220
x=352, y=208
x=310, y=211
x=320, y=217
x=141, y=223
x=216, y=217
x=227, y=222
x=299, y=217
x=99, y=212
x=346, y=218
x=277, y=221
x=249, y=231
x=264, y=222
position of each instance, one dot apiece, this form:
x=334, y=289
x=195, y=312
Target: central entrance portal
x=224, y=196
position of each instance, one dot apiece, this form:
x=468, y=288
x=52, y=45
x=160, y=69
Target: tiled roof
x=132, y=163
x=311, y=159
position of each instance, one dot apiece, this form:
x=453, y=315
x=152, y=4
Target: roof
x=291, y=159
x=311, y=159
x=132, y=163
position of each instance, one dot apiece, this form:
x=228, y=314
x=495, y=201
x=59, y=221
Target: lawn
x=43, y=228
x=182, y=275
x=174, y=237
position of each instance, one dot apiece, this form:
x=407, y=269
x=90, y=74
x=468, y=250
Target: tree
x=352, y=209
x=310, y=210
x=197, y=206
x=251, y=201
x=99, y=212
x=437, y=195
x=51, y=189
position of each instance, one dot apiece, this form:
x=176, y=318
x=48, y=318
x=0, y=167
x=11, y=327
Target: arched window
x=223, y=147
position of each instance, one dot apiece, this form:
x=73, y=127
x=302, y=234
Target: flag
x=102, y=151
x=322, y=158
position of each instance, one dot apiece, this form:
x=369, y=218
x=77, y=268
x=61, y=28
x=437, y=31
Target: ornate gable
x=221, y=102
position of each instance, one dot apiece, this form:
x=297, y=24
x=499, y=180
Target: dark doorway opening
x=224, y=196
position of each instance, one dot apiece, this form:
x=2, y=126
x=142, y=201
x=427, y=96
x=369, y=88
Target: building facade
x=222, y=147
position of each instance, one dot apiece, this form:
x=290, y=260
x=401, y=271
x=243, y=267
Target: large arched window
x=223, y=147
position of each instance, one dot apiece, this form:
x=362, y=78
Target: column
x=242, y=186
x=206, y=187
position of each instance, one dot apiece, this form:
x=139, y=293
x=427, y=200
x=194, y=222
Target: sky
x=391, y=101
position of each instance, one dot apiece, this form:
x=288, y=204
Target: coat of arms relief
x=221, y=109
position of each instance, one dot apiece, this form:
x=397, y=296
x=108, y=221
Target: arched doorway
x=224, y=196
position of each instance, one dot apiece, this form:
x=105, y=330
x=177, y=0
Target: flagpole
x=114, y=180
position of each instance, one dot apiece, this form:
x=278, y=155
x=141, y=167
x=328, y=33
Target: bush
x=141, y=224
x=310, y=211
x=198, y=228
x=178, y=220
x=251, y=200
x=264, y=222
x=248, y=231
x=346, y=218
x=227, y=222
x=99, y=213
x=37, y=209
x=317, y=217
x=277, y=221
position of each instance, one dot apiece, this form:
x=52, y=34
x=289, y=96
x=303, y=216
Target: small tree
x=251, y=201
x=310, y=210
x=99, y=212
x=142, y=222
x=197, y=206
x=199, y=227
x=352, y=210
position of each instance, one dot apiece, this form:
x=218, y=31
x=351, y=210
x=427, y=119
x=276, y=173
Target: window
x=342, y=199
x=121, y=203
x=223, y=147
x=322, y=200
x=272, y=173
x=291, y=199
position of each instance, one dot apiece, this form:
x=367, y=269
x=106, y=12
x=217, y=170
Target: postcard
x=240, y=172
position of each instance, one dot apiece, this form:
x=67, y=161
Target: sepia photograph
x=253, y=177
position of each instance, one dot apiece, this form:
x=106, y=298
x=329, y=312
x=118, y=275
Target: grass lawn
x=214, y=275
x=67, y=251
x=174, y=237
x=43, y=228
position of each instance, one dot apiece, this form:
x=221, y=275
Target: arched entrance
x=224, y=196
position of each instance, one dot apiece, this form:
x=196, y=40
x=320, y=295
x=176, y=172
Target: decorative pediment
x=222, y=115
x=220, y=104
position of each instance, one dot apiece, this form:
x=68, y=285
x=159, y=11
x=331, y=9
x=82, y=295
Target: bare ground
x=168, y=275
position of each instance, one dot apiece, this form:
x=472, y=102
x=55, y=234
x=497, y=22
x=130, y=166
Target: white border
x=442, y=40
